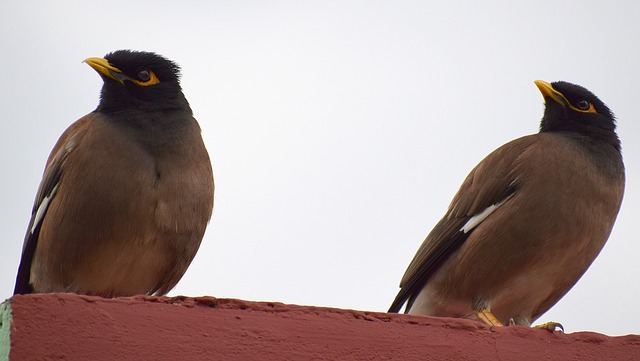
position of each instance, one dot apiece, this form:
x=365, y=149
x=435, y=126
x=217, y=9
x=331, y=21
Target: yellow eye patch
x=153, y=79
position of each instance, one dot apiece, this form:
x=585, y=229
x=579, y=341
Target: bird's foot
x=550, y=326
x=487, y=317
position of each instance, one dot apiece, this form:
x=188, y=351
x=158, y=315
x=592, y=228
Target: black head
x=572, y=108
x=138, y=79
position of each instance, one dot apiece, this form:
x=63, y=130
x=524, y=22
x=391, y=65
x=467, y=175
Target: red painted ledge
x=76, y=327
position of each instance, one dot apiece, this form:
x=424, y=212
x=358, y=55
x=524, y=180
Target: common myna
x=127, y=191
x=527, y=221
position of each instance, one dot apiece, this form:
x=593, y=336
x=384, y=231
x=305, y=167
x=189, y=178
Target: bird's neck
x=603, y=148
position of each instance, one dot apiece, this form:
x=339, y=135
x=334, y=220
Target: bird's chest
x=571, y=215
x=143, y=185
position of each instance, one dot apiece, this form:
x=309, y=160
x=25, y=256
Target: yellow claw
x=487, y=317
x=550, y=326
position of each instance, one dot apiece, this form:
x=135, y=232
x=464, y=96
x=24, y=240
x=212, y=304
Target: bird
x=527, y=221
x=127, y=191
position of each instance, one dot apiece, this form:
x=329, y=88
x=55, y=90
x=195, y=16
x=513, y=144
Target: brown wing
x=46, y=192
x=490, y=183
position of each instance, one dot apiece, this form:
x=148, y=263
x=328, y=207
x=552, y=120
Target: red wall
x=74, y=327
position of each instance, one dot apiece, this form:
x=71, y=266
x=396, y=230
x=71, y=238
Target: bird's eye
x=143, y=75
x=583, y=105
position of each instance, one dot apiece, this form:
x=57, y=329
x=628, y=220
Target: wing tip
x=398, y=302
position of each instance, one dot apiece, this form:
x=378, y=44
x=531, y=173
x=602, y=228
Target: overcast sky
x=338, y=131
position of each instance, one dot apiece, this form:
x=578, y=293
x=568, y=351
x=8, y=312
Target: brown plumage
x=127, y=191
x=528, y=220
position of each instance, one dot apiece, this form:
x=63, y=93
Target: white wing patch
x=42, y=209
x=62, y=154
x=474, y=221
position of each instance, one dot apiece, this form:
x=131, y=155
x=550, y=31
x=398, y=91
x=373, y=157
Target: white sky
x=338, y=131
